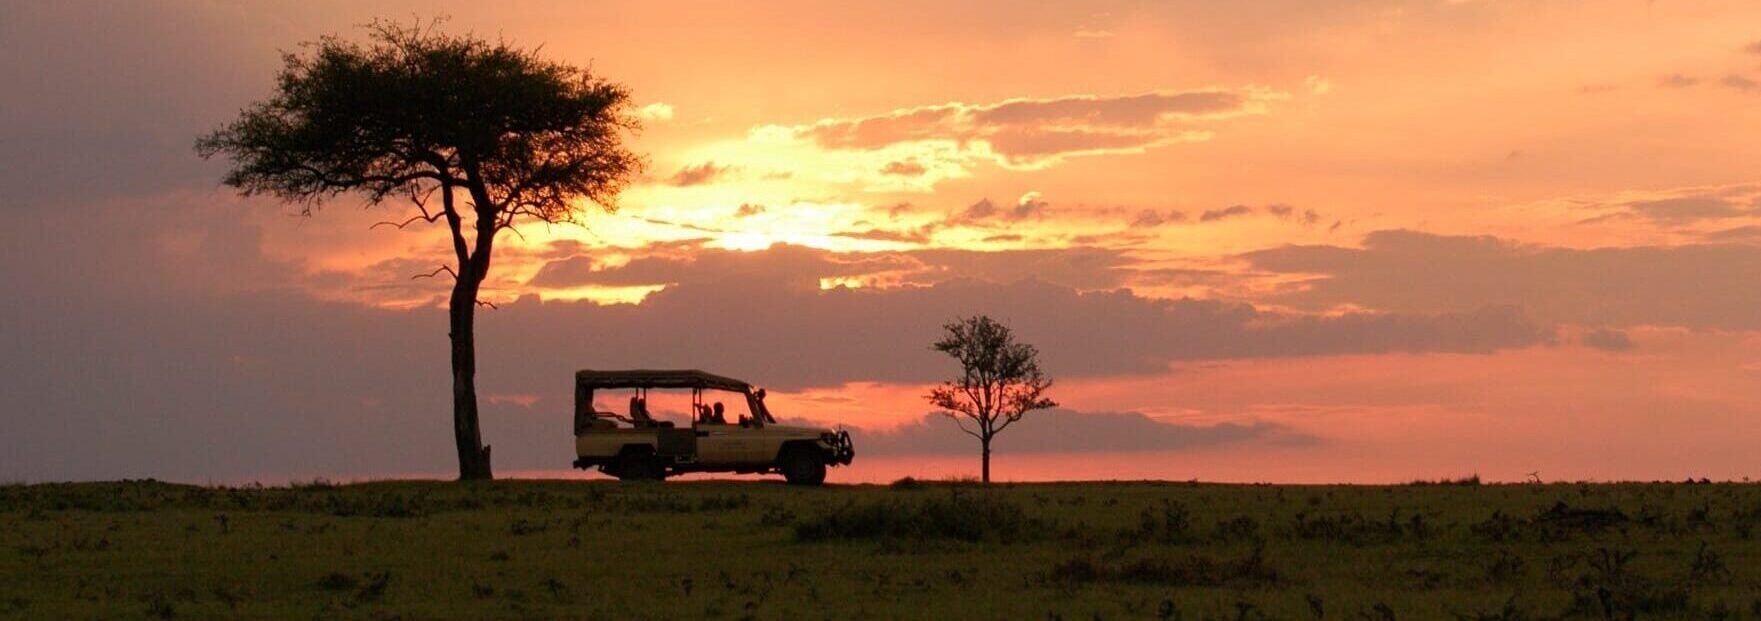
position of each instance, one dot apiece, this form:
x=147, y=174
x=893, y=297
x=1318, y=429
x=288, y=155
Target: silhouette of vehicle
x=639, y=447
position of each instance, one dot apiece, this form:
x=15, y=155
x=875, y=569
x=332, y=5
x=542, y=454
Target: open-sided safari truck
x=634, y=445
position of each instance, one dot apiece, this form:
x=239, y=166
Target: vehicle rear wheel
x=639, y=467
x=802, y=468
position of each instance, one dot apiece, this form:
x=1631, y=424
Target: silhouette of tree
x=1000, y=380
x=475, y=134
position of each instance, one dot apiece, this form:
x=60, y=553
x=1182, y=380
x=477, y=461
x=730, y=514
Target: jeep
x=637, y=446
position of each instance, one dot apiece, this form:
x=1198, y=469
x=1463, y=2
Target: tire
x=802, y=468
x=639, y=467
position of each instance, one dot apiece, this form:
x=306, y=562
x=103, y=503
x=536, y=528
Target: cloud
x=106, y=105
x=1034, y=133
x=1695, y=285
x=1676, y=208
x=1150, y=218
x=1308, y=217
x=266, y=380
x=1093, y=34
x=747, y=210
x=1686, y=209
x=564, y=273
x=1213, y=215
x=1029, y=206
x=1062, y=430
x=1739, y=83
x=1739, y=234
x=903, y=168
x=803, y=267
x=914, y=236
x=1677, y=80
x=1607, y=340
x=700, y=174
x=656, y=112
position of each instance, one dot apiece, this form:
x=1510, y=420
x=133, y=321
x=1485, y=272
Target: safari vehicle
x=636, y=446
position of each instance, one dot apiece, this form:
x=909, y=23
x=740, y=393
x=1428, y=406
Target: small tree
x=491, y=132
x=1000, y=380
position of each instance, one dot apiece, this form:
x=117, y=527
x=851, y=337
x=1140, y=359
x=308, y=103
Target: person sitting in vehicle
x=704, y=416
x=639, y=412
x=720, y=418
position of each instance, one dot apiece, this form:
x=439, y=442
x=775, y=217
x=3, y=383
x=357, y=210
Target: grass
x=917, y=549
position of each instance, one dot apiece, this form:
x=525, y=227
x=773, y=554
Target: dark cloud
x=564, y=273
x=782, y=264
x=1307, y=217
x=1082, y=267
x=1030, y=131
x=700, y=174
x=916, y=236
x=1607, y=340
x=1740, y=83
x=1741, y=234
x=1150, y=218
x=1213, y=215
x=105, y=104
x=1687, y=208
x=1701, y=285
x=1066, y=431
x=1030, y=205
x=261, y=379
x=748, y=210
x=903, y=169
x=1677, y=80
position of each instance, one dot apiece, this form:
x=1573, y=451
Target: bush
x=1177, y=571
x=961, y=515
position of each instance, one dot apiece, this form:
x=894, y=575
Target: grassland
x=603, y=550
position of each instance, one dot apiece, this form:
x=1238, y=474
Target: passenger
x=720, y=418
x=639, y=412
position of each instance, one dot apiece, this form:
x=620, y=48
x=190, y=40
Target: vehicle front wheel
x=802, y=468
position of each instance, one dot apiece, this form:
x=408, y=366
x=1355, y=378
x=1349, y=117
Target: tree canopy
x=1000, y=380
x=418, y=113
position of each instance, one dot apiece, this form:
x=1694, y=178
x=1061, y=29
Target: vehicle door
x=723, y=445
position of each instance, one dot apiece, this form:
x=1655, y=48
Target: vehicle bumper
x=843, y=451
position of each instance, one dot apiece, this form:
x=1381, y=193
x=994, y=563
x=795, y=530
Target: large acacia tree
x=1000, y=380
x=476, y=135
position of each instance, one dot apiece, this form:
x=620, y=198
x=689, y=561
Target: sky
x=1287, y=241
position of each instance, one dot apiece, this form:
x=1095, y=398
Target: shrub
x=1194, y=570
x=964, y=516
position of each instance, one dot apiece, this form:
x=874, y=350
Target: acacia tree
x=1000, y=380
x=473, y=134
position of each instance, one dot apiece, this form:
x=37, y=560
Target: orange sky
x=1370, y=240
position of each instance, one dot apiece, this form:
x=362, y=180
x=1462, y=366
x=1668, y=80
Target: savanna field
x=735, y=550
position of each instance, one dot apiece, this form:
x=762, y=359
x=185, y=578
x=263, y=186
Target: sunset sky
x=1287, y=241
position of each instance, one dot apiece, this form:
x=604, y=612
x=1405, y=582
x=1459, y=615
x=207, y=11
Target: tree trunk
x=462, y=312
x=986, y=442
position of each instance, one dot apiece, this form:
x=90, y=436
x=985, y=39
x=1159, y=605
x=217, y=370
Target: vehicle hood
x=804, y=431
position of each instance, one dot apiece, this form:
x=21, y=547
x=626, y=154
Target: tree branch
x=437, y=271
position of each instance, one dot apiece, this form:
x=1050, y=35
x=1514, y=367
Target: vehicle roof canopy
x=657, y=378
